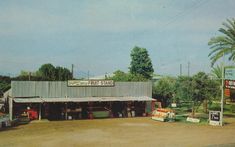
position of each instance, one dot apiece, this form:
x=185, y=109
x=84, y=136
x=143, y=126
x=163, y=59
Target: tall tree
x=62, y=74
x=223, y=44
x=141, y=63
x=47, y=72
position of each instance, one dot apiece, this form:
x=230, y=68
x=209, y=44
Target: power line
x=183, y=13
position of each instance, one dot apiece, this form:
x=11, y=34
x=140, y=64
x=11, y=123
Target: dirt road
x=118, y=132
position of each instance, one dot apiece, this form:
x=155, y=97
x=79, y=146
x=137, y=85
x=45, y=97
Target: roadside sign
x=229, y=77
x=214, y=118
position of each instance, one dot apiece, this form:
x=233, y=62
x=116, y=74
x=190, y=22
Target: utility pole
x=29, y=76
x=106, y=76
x=88, y=74
x=188, y=68
x=180, y=69
x=72, y=70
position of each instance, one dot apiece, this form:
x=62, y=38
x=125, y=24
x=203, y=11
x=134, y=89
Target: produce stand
x=163, y=115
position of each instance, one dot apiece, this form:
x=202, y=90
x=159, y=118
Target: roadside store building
x=74, y=99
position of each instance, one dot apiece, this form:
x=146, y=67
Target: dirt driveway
x=118, y=132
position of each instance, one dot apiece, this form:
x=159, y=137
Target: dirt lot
x=118, y=132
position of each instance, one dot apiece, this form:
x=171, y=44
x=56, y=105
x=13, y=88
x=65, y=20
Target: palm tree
x=224, y=44
x=216, y=72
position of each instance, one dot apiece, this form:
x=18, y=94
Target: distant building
x=156, y=78
x=101, y=77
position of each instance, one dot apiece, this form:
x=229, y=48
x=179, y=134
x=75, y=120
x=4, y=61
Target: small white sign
x=173, y=105
x=194, y=120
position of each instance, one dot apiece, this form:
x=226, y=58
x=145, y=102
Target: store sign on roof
x=90, y=83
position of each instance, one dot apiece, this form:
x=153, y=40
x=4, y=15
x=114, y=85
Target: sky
x=98, y=35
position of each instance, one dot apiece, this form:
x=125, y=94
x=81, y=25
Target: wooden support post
x=145, y=107
x=90, y=110
x=10, y=108
x=66, y=113
x=110, y=108
x=40, y=111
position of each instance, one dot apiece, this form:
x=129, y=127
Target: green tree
x=5, y=84
x=183, y=88
x=137, y=77
x=164, y=90
x=120, y=76
x=141, y=63
x=223, y=44
x=24, y=73
x=62, y=74
x=47, y=72
x=196, y=89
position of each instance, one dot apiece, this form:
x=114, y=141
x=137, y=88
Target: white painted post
x=40, y=111
x=222, y=94
x=10, y=108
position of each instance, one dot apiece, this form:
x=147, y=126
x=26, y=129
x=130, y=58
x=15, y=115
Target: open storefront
x=80, y=108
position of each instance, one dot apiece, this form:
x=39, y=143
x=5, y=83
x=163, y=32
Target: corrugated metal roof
x=85, y=99
x=53, y=89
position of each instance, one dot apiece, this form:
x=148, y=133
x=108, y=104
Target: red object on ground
x=33, y=114
x=163, y=110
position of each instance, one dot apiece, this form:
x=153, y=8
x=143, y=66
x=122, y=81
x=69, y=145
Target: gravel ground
x=122, y=132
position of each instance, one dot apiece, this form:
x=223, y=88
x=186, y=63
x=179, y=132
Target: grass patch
x=184, y=109
x=182, y=119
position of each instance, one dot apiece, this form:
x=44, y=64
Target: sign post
x=215, y=118
x=222, y=95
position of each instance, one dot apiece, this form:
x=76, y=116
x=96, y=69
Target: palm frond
x=223, y=44
x=231, y=22
x=217, y=72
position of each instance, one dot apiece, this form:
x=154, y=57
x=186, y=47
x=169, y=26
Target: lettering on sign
x=214, y=118
x=90, y=83
x=230, y=84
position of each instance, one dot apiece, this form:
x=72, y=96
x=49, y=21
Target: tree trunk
x=193, y=111
x=205, y=106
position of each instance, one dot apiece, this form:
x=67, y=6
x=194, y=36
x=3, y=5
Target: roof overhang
x=85, y=99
